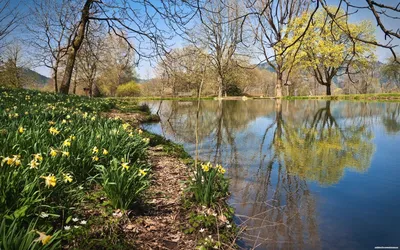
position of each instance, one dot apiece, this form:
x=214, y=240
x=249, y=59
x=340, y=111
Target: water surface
x=304, y=174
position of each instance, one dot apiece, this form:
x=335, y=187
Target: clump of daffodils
x=208, y=166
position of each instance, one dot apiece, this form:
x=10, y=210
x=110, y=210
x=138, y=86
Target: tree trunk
x=55, y=79
x=75, y=45
x=220, y=87
x=278, y=86
x=328, y=89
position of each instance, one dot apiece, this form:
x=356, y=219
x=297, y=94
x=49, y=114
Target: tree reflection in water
x=273, y=154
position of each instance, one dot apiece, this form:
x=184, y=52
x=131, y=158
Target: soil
x=160, y=226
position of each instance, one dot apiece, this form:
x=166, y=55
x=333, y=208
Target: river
x=304, y=174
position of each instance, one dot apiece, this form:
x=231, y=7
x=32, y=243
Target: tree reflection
x=391, y=119
x=273, y=153
x=321, y=150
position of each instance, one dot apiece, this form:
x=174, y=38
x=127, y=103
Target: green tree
x=328, y=48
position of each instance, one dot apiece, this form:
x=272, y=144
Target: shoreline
x=391, y=97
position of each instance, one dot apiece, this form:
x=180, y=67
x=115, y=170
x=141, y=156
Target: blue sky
x=146, y=68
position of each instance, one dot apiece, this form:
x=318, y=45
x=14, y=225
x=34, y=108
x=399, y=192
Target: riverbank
x=81, y=174
x=393, y=97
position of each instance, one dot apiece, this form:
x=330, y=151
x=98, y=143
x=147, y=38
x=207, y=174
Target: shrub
x=128, y=89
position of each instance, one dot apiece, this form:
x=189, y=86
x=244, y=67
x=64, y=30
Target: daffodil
x=142, y=172
x=67, y=178
x=16, y=160
x=140, y=131
x=72, y=137
x=146, y=140
x=105, y=152
x=67, y=143
x=220, y=169
x=206, y=167
x=125, y=126
x=50, y=180
x=95, y=158
x=52, y=123
x=64, y=121
x=54, y=131
x=53, y=152
x=125, y=165
x=45, y=239
x=93, y=118
x=38, y=157
x=9, y=161
x=65, y=153
x=21, y=130
x=95, y=150
x=34, y=164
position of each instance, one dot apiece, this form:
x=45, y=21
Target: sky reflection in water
x=304, y=174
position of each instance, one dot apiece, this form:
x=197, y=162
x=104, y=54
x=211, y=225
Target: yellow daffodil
x=65, y=153
x=146, y=140
x=53, y=152
x=130, y=134
x=125, y=126
x=220, y=169
x=105, y=152
x=21, y=130
x=95, y=150
x=67, y=178
x=142, y=172
x=68, y=117
x=16, y=160
x=72, y=137
x=125, y=165
x=85, y=115
x=95, y=158
x=206, y=167
x=52, y=123
x=38, y=157
x=64, y=121
x=67, y=143
x=93, y=118
x=8, y=160
x=140, y=131
x=50, y=180
x=54, y=131
x=45, y=239
x=34, y=164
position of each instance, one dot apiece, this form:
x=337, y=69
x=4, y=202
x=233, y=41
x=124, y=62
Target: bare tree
x=89, y=58
x=221, y=35
x=270, y=21
x=140, y=20
x=9, y=17
x=52, y=29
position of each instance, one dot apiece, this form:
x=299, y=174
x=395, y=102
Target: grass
x=365, y=97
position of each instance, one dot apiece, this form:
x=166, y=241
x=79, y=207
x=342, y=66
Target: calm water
x=304, y=174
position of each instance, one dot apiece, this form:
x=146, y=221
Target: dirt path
x=159, y=226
